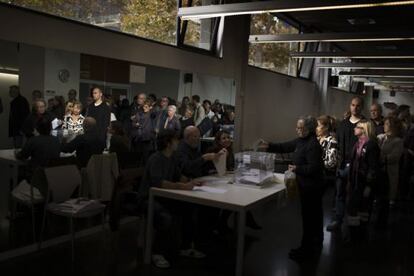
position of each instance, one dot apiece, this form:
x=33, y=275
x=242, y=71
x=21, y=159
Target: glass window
x=343, y=81
x=198, y=32
x=151, y=19
x=272, y=56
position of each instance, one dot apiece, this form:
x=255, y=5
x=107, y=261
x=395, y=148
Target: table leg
x=240, y=242
x=148, y=240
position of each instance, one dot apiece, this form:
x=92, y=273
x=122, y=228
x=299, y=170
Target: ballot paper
x=209, y=189
x=55, y=123
x=220, y=165
x=256, y=144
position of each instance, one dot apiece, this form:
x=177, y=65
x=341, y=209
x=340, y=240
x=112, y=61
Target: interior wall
x=208, y=88
x=56, y=60
x=31, y=69
x=273, y=103
x=159, y=81
x=399, y=99
x=8, y=59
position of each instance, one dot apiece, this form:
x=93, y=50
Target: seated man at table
x=162, y=172
x=40, y=149
x=86, y=144
x=193, y=164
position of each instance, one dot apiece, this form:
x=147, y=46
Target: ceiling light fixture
x=353, y=55
x=280, y=6
x=374, y=66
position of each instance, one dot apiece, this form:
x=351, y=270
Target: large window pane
x=272, y=56
x=152, y=19
x=199, y=33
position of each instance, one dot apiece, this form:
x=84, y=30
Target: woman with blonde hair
x=364, y=171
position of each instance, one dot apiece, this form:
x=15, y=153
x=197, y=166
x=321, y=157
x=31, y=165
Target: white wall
x=208, y=88
x=56, y=60
x=31, y=69
x=272, y=104
x=400, y=98
x=338, y=102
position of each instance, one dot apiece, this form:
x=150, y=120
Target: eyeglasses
x=359, y=127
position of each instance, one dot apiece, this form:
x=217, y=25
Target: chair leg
x=103, y=229
x=72, y=231
x=42, y=229
x=33, y=223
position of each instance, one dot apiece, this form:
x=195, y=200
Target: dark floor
x=388, y=252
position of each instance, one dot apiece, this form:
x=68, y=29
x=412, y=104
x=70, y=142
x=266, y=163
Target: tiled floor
x=388, y=252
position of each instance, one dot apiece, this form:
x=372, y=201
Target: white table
x=236, y=198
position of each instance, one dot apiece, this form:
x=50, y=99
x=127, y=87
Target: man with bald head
x=86, y=144
x=194, y=164
x=376, y=118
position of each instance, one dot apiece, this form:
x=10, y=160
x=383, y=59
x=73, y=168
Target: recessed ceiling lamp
x=211, y=11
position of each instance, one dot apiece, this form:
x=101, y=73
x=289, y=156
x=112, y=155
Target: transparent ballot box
x=254, y=169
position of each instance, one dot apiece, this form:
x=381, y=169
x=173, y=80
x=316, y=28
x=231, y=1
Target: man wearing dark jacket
x=39, y=112
x=19, y=110
x=101, y=112
x=346, y=141
x=307, y=164
x=193, y=164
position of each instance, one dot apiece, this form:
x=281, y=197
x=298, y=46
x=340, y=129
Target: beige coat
x=391, y=151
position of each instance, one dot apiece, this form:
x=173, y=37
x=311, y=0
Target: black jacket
x=144, y=131
x=102, y=115
x=29, y=124
x=346, y=141
x=191, y=163
x=365, y=169
x=85, y=146
x=307, y=156
x=19, y=110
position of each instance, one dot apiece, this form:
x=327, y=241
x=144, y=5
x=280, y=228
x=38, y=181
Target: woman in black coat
x=364, y=173
x=307, y=164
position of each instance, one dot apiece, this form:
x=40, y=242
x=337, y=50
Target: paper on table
x=55, y=123
x=220, y=165
x=209, y=189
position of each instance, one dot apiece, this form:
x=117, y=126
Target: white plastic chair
x=62, y=182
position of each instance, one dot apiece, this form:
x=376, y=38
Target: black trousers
x=312, y=216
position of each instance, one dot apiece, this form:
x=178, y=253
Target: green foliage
x=273, y=56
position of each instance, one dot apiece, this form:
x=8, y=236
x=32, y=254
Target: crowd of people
x=365, y=159
x=369, y=161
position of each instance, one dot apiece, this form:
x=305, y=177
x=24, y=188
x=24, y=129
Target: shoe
x=333, y=226
x=160, y=262
x=192, y=253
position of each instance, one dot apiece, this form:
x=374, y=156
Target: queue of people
x=361, y=158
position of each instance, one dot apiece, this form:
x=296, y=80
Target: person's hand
x=292, y=168
x=263, y=145
x=189, y=186
x=209, y=156
x=367, y=191
x=196, y=182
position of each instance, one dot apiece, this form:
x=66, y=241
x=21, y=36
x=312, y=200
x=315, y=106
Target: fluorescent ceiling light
x=331, y=37
x=375, y=66
x=368, y=73
x=280, y=6
x=353, y=55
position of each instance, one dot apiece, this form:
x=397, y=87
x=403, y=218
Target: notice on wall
x=137, y=74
